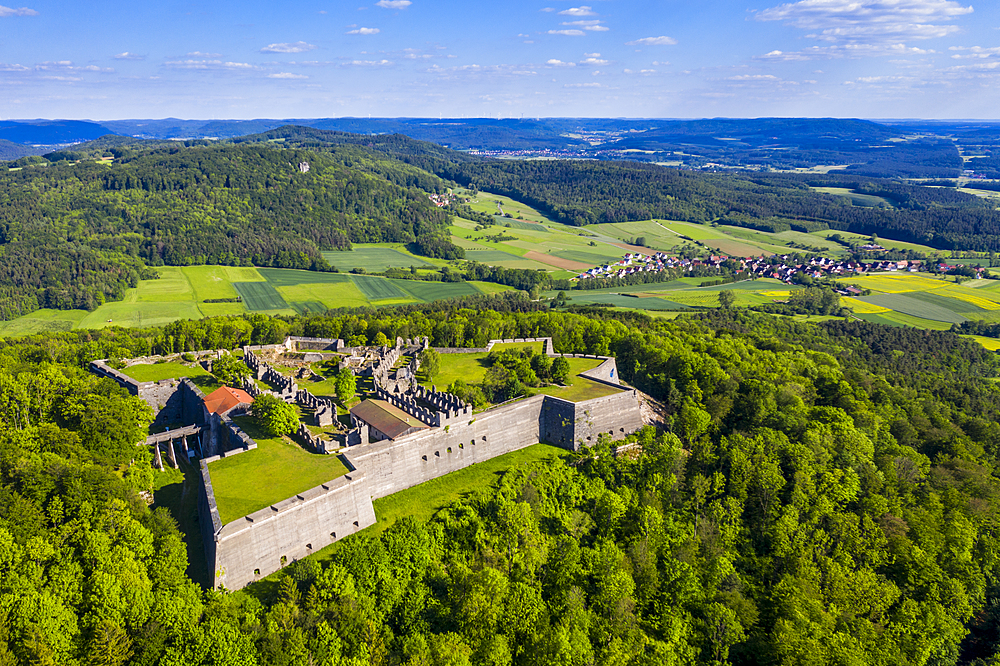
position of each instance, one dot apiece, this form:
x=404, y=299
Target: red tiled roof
x=222, y=399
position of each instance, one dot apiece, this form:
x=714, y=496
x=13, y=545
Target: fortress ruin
x=404, y=434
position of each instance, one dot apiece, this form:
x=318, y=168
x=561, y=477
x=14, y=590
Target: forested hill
x=587, y=192
x=73, y=234
x=819, y=495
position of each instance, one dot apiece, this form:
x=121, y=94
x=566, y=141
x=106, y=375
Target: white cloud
x=583, y=85
x=129, y=56
x=364, y=31
x=199, y=54
x=559, y=63
x=13, y=67
x=548, y=9
x=393, y=4
x=975, y=52
x=845, y=51
x=68, y=66
x=662, y=40
x=571, y=33
x=883, y=79
x=593, y=26
x=287, y=75
x=371, y=63
x=294, y=47
x=583, y=10
x=754, y=77
x=209, y=64
x=847, y=21
x=19, y=11
x=593, y=61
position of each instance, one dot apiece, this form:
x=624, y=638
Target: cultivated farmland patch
x=373, y=259
x=260, y=296
x=286, y=277
x=913, y=306
x=431, y=291
x=378, y=288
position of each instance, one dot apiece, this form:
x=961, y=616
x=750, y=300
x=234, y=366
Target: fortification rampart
x=257, y=545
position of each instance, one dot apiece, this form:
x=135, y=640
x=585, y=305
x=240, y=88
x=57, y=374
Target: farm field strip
x=377, y=288
x=373, y=258
x=914, y=307
x=260, y=296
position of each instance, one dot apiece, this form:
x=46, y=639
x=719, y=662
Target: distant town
x=786, y=268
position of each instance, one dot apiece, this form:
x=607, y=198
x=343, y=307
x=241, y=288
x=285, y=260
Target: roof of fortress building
x=222, y=399
x=386, y=418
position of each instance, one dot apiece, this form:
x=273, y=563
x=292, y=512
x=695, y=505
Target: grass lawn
x=154, y=372
x=276, y=470
x=472, y=369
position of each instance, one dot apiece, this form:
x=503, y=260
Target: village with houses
x=785, y=267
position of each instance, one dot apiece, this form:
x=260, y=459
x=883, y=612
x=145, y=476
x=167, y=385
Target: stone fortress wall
x=261, y=543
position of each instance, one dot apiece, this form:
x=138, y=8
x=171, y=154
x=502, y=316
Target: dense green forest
x=74, y=234
x=820, y=494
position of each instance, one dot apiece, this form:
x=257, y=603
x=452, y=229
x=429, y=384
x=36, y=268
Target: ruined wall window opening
x=449, y=449
x=284, y=560
x=256, y=572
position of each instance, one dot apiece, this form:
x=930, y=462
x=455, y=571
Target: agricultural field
x=260, y=296
x=376, y=258
x=181, y=292
x=497, y=204
x=865, y=200
x=683, y=294
x=277, y=469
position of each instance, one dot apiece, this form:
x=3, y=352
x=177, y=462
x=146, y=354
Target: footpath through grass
x=276, y=470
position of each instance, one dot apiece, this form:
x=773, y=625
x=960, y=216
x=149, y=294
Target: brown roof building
x=385, y=421
x=222, y=399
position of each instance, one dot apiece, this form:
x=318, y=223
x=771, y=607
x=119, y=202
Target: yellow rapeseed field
x=862, y=307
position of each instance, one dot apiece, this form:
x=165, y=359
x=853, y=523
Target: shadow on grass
x=206, y=383
x=180, y=498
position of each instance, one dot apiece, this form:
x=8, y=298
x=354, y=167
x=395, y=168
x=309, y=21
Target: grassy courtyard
x=472, y=368
x=276, y=470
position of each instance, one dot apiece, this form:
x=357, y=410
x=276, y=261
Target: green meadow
x=277, y=469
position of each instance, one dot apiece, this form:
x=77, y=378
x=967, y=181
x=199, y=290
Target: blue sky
x=606, y=58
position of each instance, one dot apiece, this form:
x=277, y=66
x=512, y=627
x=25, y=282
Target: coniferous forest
x=816, y=494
